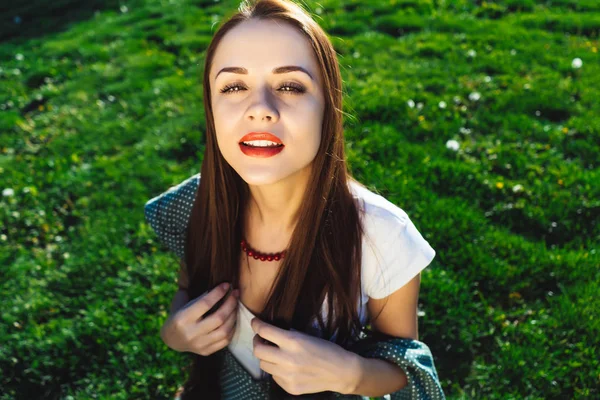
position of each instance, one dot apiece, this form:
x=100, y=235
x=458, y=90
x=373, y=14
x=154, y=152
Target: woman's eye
x=289, y=87
x=292, y=88
x=229, y=88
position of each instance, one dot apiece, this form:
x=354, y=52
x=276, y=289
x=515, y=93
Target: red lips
x=260, y=136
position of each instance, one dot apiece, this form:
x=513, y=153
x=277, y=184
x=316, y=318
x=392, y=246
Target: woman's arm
x=379, y=363
x=374, y=378
x=394, y=315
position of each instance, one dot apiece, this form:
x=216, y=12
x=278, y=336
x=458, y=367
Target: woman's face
x=254, y=98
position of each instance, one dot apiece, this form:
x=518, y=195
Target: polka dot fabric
x=168, y=214
x=237, y=383
x=413, y=356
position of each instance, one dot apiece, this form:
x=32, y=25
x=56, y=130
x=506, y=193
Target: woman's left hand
x=301, y=363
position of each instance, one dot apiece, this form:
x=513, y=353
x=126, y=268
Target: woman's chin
x=260, y=180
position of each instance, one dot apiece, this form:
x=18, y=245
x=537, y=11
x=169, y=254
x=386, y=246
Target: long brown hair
x=322, y=258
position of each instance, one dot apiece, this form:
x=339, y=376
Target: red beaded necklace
x=262, y=256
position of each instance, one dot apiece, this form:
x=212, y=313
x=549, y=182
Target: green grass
x=100, y=111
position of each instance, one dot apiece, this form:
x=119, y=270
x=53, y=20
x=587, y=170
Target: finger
x=231, y=332
x=215, y=347
x=278, y=336
x=271, y=368
x=282, y=381
x=266, y=352
x=197, y=308
x=219, y=317
x=225, y=330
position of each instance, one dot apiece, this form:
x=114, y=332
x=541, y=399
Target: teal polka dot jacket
x=168, y=215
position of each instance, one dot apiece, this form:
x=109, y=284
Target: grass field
x=480, y=119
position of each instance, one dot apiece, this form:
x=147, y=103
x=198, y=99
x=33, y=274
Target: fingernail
x=225, y=285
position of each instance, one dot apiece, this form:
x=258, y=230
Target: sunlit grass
x=480, y=121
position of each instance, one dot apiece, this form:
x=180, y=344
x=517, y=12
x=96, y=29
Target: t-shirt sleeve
x=399, y=253
x=168, y=214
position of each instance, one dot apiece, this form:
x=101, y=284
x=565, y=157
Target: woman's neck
x=273, y=210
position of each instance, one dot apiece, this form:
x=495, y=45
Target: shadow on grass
x=57, y=369
x=22, y=20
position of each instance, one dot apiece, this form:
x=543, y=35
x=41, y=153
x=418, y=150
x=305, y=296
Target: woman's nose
x=262, y=106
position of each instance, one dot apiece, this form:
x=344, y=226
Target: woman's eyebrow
x=279, y=70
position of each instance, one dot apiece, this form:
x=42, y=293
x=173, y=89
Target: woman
x=278, y=217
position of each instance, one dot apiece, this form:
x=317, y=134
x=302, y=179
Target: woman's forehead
x=261, y=46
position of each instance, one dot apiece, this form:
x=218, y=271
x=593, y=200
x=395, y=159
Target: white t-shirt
x=393, y=250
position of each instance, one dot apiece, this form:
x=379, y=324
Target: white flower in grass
x=464, y=131
x=411, y=103
x=576, y=63
x=8, y=192
x=442, y=104
x=19, y=57
x=487, y=79
x=452, y=145
x=517, y=188
x=474, y=96
x=471, y=53
x=419, y=106
x=124, y=9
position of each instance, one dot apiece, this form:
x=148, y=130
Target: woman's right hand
x=189, y=329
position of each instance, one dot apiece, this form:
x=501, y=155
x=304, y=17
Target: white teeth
x=261, y=143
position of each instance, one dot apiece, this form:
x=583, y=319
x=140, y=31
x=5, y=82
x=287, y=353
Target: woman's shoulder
x=394, y=250
x=168, y=213
x=385, y=225
x=377, y=212
x=177, y=197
